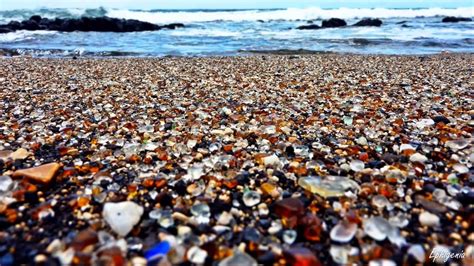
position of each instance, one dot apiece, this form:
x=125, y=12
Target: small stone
x=195, y=172
x=330, y=186
x=122, y=216
x=301, y=256
x=138, y=261
x=357, y=165
x=5, y=154
x=438, y=254
x=36, y=126
x=42, y=174
x=191, y=143
x=344, y=231
x=428, y=219
x=377, y=228
x=461, y=168
x=271, y=160
x=251, y=198
x=422, y=123
x=289, y=236
x=417, y=252
x=197, y=255
x=6, y=183
x=399, y=220
x=417, y=157
x=362, y=141
x=163, y=217
x=457, y=144
x=20, y=154
x=157, y=251
x=263, y=209
x=289, y=207
x=238, y=259
x=347, y=120
x=40, y=259
x=84, y=238
x=270, y=189
x=202, y=212
x=340, y=253
x=225, y=218
x=380, y=201
x=407, y=147
x=382, y=262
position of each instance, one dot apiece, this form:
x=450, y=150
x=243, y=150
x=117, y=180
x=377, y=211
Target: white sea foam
x=205, y=32
x=23, y=35
x=286, y=14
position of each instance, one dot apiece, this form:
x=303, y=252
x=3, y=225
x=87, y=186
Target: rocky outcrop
x=333, y=23
x=369, y=22
x=101, y=24
x=455, y=19
x=330, y=23
x=308, y=27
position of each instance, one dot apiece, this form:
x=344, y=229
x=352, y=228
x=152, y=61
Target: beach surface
x=268, y=159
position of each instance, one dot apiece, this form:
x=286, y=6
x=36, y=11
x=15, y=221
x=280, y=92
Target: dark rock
x=29, y=25
x=455, y=19
x=333, y=23
x=35, y=18
x=369, y=22
x=308, y=27
x=441, y=119
x=173, y=26
x=100, y=24
x=5, y=30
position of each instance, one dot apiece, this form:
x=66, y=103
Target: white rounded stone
x=428, y=219
x=122, y=216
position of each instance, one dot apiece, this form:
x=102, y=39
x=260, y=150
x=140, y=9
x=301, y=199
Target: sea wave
x=196, y=16
x=190, y=32
x=22, y=14
x=285, y=14
x=23, y=35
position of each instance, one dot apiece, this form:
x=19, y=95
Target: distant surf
x=231, y=32
x=191, y=16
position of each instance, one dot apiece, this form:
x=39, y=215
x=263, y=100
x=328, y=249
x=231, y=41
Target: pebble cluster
x=259, y=160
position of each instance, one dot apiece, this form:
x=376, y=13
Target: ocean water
x=233, y=32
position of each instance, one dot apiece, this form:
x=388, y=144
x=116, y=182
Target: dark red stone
x=301, y=257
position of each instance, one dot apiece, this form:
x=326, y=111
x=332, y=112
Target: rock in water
x=100, y=24
x=122, y=216
x=308, y=27
x=455, y=19
x=333, y=23
x=42, y=174
x=374, y=22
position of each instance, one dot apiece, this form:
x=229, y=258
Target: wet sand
x=269, y=159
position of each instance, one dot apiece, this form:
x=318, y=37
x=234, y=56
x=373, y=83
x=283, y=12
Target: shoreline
x=13, y=52
x=269, y=159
